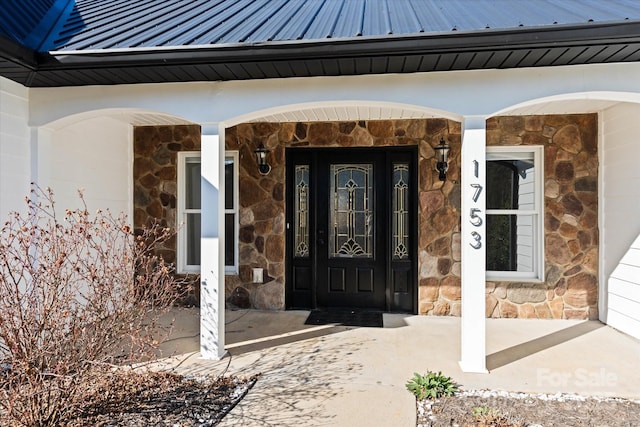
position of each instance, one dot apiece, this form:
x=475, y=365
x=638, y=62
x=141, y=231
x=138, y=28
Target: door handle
x=321, y=234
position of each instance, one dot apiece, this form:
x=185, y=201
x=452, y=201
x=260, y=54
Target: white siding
x=620, y=216
x=525, y=223
x=94, y=155
x=15, y=152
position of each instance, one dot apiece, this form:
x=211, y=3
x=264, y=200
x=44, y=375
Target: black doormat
x=366, y=319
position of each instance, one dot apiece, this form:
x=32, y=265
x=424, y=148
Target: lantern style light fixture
x=442, y=154
x=261, y=159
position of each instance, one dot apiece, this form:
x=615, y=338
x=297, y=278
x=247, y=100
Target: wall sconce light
x=442, y=154
x=261, y=159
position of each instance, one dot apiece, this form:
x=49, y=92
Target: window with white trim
x=231, y=212
x=189, y=211
x=515, y=213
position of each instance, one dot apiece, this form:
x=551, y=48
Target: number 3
x=478, y=238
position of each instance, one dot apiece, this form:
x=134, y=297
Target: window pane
x=230, y=243
x=510, y=184
x=193, y=239
x=192, y=184
x=510, y=242
x=502, y=191
x=229, y=177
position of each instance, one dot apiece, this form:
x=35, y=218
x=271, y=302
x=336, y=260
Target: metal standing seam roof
x=125, y=24
x=67, y=42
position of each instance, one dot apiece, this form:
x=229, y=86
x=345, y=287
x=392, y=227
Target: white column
x=212, y=249
x=473, y=333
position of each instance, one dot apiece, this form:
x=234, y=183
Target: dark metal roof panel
x=108, y=24
x=140, y=41
x=29, y=21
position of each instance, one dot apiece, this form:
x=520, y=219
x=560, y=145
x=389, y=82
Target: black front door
x=351, y=228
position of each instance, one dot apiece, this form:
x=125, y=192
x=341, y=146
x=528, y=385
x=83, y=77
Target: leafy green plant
x=431, y=385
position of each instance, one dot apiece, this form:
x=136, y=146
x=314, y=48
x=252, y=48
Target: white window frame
x=181, y=214
x=183, y=267
x=537, y=275
x=234, y=157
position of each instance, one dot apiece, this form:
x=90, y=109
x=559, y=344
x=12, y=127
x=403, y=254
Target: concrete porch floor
x=335, y=375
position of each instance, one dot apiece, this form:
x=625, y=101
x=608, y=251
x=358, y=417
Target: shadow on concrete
x=283, y=339
x=512, y=354
x=298, y=378
x=293, y=329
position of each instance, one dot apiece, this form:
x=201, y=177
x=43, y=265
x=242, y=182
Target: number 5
x=475, y=219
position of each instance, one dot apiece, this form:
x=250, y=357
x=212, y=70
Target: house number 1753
x=474, y=218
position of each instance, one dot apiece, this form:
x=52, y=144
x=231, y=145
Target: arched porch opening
x=609, y=283
x=341, y=126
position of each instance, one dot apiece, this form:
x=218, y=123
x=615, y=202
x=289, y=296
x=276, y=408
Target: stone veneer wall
x=155, y=174
x=262, y=205
x=571, y=218
x=571, y=205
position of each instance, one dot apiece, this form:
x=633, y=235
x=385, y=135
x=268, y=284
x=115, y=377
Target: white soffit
x=571, y=106
x=348, y=112
x=153, y=119
x=133, y=118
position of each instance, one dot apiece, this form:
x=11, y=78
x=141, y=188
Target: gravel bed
x=508, y=409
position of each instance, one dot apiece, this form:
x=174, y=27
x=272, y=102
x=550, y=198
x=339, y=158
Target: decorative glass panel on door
x=351, y=211
x=400, y=214
x=301, y=226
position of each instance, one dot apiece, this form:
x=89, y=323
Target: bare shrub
x=79, y=294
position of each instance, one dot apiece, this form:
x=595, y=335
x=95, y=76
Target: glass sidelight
x=301, y=224
x=400, y=211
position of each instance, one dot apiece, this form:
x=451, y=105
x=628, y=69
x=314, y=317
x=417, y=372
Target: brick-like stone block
x=274, y=248
x=444, y=266
x=240, y=298
x=508, y=310
x=543, y=311
x=557, y=308
x=582, y=291
x=564, y=171
x=527, y=311
x=573, y=314
x=557, y=250
x=520, y=293
x=269, y=296
x=569, y=138
x=572, y=205
x=491, y=302
x=431, y=201
x=428, y=289
x=441, y=308
x=381, y=128
x=425, y=307
x=450, y=288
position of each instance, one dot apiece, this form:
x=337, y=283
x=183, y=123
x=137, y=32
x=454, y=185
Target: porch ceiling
x=573, y=106
x=129, y=117
x=154, y=119
x=360, y=111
